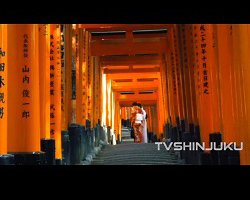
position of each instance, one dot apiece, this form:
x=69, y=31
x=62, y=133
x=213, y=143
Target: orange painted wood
x=23, y=76
x=55, y=88
x=3, y=88
x=44, y=79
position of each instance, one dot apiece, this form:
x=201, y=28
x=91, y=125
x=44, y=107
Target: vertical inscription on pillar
x=173, y=71
x=73, y=61
x=52, y=83
x=62, y=66
x=3, y=88
x=84, y=76
x=197, y=53
x=176, y=60
x=55, y=81
x=77, y=47
x=191, y=40
x=26, y=94
x=184, y=44
x=203, y=59
x=3, y=78
x=55, y=87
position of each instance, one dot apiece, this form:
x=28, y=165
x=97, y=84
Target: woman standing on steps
x=136, y=122
x=144, y=125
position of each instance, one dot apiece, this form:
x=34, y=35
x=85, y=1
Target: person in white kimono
x=144, y=122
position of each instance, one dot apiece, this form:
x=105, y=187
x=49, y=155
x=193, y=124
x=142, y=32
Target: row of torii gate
x=191, y=78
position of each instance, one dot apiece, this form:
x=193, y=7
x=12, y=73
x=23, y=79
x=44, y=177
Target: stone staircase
x=126, y=135
x=130, y=153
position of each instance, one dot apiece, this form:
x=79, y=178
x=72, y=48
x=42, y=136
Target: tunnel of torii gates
x=193, y=78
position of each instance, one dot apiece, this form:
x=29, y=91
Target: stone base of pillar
x=183, y=125
x=48, y=146
x=65, y=147
x=6, y=159
x=205, y=158
x=29, y=158
x=75, y=144
x=58, y=161
x=191, y=129
x=197, y=133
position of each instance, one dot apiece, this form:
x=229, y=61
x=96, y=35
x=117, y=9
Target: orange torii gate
x=139, y=85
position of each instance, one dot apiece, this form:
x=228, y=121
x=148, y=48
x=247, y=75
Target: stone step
x=131, y=153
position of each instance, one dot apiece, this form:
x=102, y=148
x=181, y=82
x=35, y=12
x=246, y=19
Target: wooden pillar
x=128, y=112
x=89, y=83
x=79, y=77
x=63, y=79
x=23, y=83
x=154, y=119
x=191, y=72
x=164, y=86
x=173, y=100
x=96, y=90
x=55, y=88
x=119, y=133
x=3, y=88
x=226, y=83
x=104, y=101
x=101, y=94
x=186, y=80
x=90, y=90
x=108, y=101
x=240, y=52
x=167, y=70
x=85, y=74
x=246, y=76
x=68, y=76
x=207, y=82
x=44, y=79
x=116, y=114
x=160, y=107
x=123, y=115
x=75, y=73
x=178, y=74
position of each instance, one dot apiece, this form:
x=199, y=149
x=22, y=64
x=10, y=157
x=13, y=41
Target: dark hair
x=139, y=105
x=135, y=104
